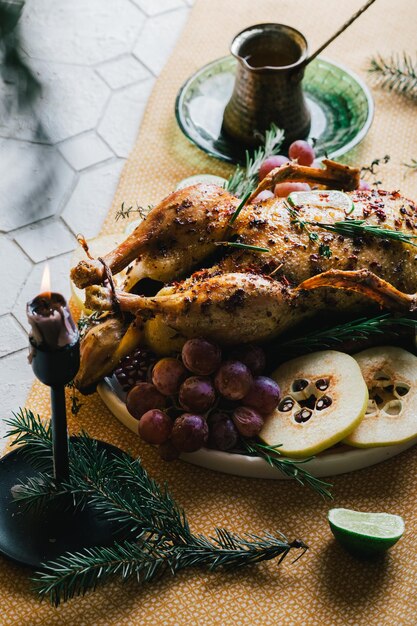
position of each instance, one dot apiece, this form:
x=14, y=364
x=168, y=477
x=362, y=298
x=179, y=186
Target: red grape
x=252, y=356
x=264, y=195
x=142, y=398
x=201, y=356
x=155, y=426
x=189, y=433
x=247, y=421
x=233, y=380
x=168, y=452
x=167, y=376
x=263, y=395
x=222, y=432
x=271, y=163
x=197, y=394
x=364, y=185
x=302, y=152
x=282, y=190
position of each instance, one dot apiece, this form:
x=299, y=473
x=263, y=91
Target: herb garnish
x=360, y=228
x=244, y=246
x=159, y=536
x=123, y=213
x=289, y=467
x=245, y=178
x=356, y=330
x=349, y=228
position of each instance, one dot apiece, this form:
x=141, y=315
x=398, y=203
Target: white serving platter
x=330, y=463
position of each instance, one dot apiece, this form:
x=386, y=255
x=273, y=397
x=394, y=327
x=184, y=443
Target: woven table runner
x=327, y=586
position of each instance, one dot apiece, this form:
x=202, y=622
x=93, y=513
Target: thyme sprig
x=159, y=538
x=289, y=467
x=412, y=165
x=371, y=172
x=356, y=330
x=396, y=73
x=123, y=213
x=245, y=178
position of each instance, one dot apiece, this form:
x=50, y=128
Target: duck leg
x=365, y=283
x=230, y=308
x=176, y=235
x=334, y=176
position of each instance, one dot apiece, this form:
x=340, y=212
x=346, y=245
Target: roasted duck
x=237, y=295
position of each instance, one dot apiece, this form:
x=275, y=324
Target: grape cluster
x=202, y=398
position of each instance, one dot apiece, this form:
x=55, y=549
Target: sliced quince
x=324, y=397
x=391, y=416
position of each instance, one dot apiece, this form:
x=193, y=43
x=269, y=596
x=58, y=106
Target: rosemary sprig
x=159, y=537
x=244, y=246
x=360, y=228
x=349, y=228
x=397, y=73
x=245, y=178
x=356, y=330
x=289, y=467
x=239, y=208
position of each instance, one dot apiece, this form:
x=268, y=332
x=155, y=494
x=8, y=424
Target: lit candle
x=55, y=359
x=52, y=326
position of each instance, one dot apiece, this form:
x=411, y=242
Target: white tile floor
x=97, y=62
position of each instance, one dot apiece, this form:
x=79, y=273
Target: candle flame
x=46, y=281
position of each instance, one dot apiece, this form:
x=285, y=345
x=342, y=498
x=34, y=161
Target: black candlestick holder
x=32, y=536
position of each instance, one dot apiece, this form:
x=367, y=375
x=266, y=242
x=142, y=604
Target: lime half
x=322, y=199
x=365, y=533
x=201, y=178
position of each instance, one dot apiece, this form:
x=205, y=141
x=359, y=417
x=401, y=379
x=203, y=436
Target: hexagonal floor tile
x=158, y=37
x=85, y=150
x=86, y=209
x=43, y=240
x=79, y=31
x=12, y=337
x=123, y=72
x=35, y=179
x=71, y=102
x=155, y=7
x=123, y=115
x=15, y=382
x=14, y=270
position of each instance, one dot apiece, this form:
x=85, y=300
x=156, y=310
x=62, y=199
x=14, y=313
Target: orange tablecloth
x=326, y=587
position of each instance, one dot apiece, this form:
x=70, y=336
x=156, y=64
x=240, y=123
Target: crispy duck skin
x=176, y=235
x=253, y=296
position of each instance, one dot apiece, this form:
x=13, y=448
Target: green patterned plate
x=340, y=103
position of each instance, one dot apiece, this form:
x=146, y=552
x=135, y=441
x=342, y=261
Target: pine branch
x=397, y=73
x=244, y=179
x=74, y=574
x=33, y=436
x=120, y=489
x=357, y=330
x=289, y=467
